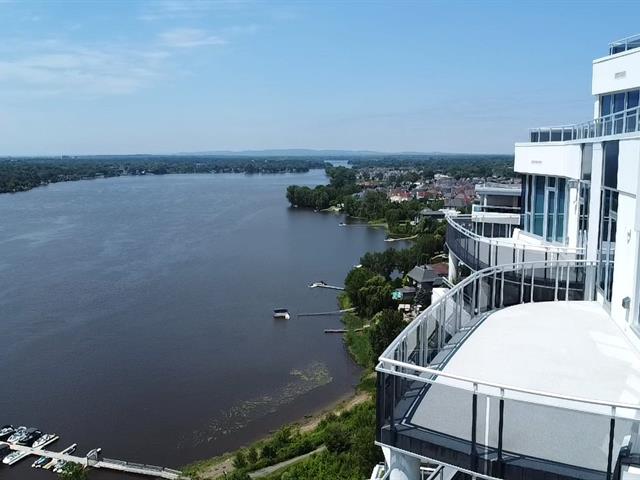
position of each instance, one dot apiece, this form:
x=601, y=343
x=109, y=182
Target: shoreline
x=220, y=465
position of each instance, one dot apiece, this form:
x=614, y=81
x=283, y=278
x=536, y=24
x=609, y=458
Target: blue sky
x=174, y=76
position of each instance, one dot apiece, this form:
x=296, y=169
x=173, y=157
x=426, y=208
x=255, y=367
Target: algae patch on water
x=301, y=381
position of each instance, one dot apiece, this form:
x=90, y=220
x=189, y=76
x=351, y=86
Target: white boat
x=281, y=313
x=44, y=440
x=6, y=430
x=13, y=457
x=18, y=435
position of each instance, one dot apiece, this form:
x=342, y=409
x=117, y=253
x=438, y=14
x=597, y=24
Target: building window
x=608, y=219
x=545, y=207
x=621, y=110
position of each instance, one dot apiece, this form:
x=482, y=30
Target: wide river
x=136, y=313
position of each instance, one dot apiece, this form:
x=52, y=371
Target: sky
x=166, y=76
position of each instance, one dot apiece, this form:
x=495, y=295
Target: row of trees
x=26, y=173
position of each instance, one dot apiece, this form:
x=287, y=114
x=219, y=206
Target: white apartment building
x=529, y=368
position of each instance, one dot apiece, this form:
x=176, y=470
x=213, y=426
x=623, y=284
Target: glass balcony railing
x=626, y=121
x=482, y=244
x=624, y=44
x=481, y=427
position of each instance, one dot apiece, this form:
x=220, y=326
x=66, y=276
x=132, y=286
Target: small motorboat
x=281, y=313
x=44, y=440
x=40, y=462
x=13, y=457
x=18, y=434
x=30, y=436
x=6, y=430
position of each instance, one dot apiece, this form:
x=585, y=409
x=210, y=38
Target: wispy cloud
x=53, y=67
x=189, y=38
x=187, y=9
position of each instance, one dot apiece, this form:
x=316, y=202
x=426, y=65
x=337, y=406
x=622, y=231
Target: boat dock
x=324, y=285
x=319, y=314
x=97, y=462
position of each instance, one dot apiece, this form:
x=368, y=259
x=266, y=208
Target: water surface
x=136, y=313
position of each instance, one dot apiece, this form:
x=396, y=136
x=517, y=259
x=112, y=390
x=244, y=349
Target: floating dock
x=324, y=285
x=95, y=462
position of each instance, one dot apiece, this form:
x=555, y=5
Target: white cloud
x=189, y=38
x=55, y=68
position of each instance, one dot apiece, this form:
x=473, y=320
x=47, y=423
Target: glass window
x=618, y=102
x=587, y=154
x=538, y=206
x=611, y=164
x=605, y=105
x=551, y=206
x=632, y=98
x=562, y=193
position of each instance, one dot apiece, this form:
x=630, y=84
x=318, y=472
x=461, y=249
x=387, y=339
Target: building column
x=403, y=467
x=453, y=268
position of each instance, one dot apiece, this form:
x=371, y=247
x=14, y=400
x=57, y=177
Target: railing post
x=566, y=293
x=612, y=428
x=502, y=289
x=533, y=281
x=555, y=290
x=522, y=284
x=474, y=420
x=500, y=430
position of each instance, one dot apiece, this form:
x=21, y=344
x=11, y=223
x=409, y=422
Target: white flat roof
x=566, y=348
x=570, y=348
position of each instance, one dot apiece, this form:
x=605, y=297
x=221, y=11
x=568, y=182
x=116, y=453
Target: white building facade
x=529, y=368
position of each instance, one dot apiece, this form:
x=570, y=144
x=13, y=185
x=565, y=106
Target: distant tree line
x=26, y=173
x=457, y=166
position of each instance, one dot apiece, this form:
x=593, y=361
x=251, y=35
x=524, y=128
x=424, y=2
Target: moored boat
x=281, y=313
x=18, y=434
x=44, y=440
x=6, y=430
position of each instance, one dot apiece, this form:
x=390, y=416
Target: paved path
x=263, y=472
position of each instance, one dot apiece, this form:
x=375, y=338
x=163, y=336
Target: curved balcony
x=514, y=373
x=483, y=244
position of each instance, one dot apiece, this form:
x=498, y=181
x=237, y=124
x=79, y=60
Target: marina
x=91, y=460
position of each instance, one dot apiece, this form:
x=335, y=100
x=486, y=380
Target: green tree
x=337, y=438
x=374, y=296
x=73, y=471
x=385, y=327
x=252, y=455
x=240, y=460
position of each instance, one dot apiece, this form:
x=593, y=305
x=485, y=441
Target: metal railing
x=462, y=432
x=626, y=121
x=624, y=44
x=480, y=244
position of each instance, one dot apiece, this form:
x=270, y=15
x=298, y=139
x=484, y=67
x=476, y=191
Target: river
x=137, y=313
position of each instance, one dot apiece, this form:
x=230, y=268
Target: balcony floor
x=567, y=348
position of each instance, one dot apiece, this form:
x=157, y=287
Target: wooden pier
x=324, y=285
x=105, y=463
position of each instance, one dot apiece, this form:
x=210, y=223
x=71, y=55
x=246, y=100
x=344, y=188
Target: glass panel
x=562, y=191
x=605, y=105
x=632, y=98
x=539, y=431
x=587, y=154
x=618, y=102
x=538, y=207
x=611, y=164
x=551, y=204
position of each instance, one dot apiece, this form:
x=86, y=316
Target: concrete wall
x=616, y=72
x=551, y=159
